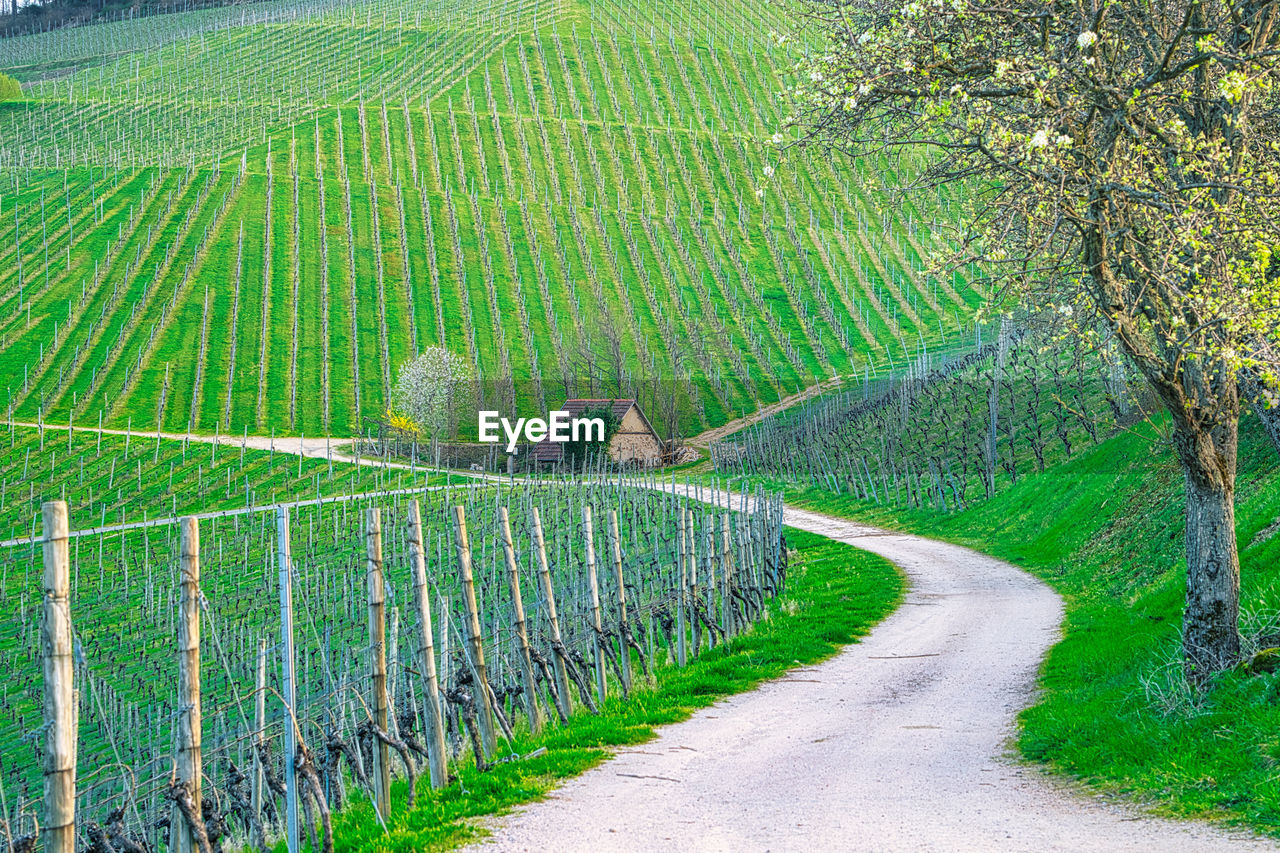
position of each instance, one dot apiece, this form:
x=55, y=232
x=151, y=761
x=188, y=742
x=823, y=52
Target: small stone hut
x=635, y=443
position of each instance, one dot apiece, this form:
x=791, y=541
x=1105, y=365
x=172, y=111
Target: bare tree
x=1119, y=162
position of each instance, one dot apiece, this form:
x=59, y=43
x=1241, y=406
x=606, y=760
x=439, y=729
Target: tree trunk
x=1210, y=628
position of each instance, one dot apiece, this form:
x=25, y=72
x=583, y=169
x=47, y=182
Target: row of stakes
x=480, y=705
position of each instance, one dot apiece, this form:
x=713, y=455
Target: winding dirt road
x=899, y=743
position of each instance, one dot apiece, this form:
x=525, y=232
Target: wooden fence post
x=59, y=690
x=691, y=595
x=378, y=659
x=682, y=551
x=187, y=764
x=287, y=682
x=528, y=680
x=726, y=568
x=709, y=563
x=484, y=707
x=437, y=756
x=615, y=543
x=564, y=700
x=597, y=643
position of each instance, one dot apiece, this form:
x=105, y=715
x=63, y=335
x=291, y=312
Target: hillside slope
x=249, y=218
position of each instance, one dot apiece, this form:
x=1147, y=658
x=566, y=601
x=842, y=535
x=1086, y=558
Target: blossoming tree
x=1120, y=161
x=427, y=392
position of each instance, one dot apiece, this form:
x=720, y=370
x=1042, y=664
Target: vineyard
x=110, y=480
x=951, y=428
x=248, y=218
x=414, y=632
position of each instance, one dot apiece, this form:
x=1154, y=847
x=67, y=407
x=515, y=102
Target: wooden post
x=565, y=701
x=528, y=681
x=437, y=756
x=378, y=659
x=681, y=586
x=691, y=597
x=726, y=568
x=59, y=689
x=260, y=725
x=484, y=707
x=186, y=733
x=287, y=686
x=709, y=564
x=615, y=543
x=597, y=643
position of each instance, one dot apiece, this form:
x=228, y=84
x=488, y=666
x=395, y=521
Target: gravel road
x=899, y=743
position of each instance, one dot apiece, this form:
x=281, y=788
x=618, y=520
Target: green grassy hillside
x=249, y=218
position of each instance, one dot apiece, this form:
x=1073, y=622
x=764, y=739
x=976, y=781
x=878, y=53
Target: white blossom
x=768, y=171
x=1040, y=140
x=1086, y=39
x=426, y=389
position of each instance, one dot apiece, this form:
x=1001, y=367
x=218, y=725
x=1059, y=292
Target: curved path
x=900, y=742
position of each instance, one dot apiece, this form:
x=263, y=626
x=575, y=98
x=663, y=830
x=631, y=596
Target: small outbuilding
x=635, y=443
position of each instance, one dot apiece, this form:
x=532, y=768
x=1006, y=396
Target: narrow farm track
x=704, y=439
x=900, y=742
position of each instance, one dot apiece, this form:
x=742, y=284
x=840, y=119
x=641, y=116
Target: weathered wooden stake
x=691, y=598
x=59, y=690
x=726, y=567
x=709, y=562
x=682, y=586
x=563, y=699
x=437, y=756
x=378, y=659
x=186, y=735
x=615, y=543
x=597, y=643
x=528, y=681
x=484, y=707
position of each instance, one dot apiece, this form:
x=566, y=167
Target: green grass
x=834, y=595
x=1105, y=529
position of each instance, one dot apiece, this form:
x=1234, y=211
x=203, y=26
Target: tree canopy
x=1119, y=163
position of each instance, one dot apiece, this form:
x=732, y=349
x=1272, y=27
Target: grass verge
x=835, y=594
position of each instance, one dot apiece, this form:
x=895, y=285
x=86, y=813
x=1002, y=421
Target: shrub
x=10, y=89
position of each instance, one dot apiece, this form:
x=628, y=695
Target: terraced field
x=248, y=218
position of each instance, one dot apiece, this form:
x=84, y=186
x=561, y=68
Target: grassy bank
x=834, y=595
x=1105, y=528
